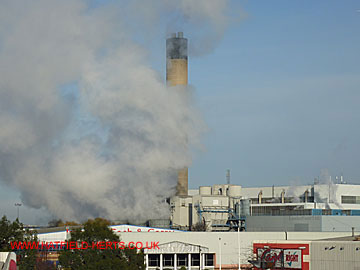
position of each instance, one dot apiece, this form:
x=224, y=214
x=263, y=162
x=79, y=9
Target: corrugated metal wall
x=335, y=255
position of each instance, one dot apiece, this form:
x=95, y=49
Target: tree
x=44, y=265
x=96, y=232
x=14, y=232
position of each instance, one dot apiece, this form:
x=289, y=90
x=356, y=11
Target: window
x=168, y=259
x=154, y=259
x=182, y=259
x=209, y=259
x=350, y=199
x=195, y=259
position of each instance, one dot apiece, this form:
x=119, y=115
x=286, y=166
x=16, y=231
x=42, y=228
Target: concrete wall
x=303, y=223
x=340, y=223
x=283, y=223
x=180, y=210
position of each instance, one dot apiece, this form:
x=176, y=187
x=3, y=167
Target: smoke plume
x=87, y=127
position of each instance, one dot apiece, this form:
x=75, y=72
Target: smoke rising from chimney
x=87, y=127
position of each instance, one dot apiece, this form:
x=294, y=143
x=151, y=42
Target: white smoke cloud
x=111, y=148
x=204, y=21
x=330, y=197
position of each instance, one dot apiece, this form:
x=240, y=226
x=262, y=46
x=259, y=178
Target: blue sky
x=280, y=96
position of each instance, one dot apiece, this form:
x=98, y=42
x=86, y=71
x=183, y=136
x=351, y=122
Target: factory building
x=217, y=208
x=321, y=207
x=243, y=224
x=202, y=250
x=317, y=207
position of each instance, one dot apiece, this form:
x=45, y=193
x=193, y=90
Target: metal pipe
x=306, y=195
x=18, y=210
x=260, y=197
x=283, y=196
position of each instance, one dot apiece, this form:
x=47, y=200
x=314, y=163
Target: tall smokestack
x=177, y=74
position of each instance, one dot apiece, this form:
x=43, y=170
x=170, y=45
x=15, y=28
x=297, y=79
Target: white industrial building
x=225, y=207
x=265, y=215
x=198, y=250
x=214, y=206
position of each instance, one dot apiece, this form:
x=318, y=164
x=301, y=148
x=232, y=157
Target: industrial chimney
x=177, y=74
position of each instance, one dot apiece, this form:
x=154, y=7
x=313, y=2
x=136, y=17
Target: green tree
x=109, y=258
x=14, y=232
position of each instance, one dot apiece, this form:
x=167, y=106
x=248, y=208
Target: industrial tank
x=245, y=207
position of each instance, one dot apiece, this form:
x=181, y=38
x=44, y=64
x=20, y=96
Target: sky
x=280, y=95
x=278, y=92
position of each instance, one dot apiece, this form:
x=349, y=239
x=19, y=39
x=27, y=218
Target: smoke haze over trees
x=88, y=128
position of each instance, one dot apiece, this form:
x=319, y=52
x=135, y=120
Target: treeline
x=93, y=230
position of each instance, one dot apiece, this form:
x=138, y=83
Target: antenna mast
x=228, y=176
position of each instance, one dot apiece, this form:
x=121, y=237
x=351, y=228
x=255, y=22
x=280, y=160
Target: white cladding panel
x=234, y=191
x=217, y=201
x=334, y=255
x=205, y=190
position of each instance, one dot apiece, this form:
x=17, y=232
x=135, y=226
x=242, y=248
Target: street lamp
x=238, y=234
x=220, y=252
x=18, y=207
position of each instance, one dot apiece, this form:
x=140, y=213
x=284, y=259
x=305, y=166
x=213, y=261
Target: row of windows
x=344, y=199
x=302, y=198
x=279, y=211
x=350, y=199
x=181, y=260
